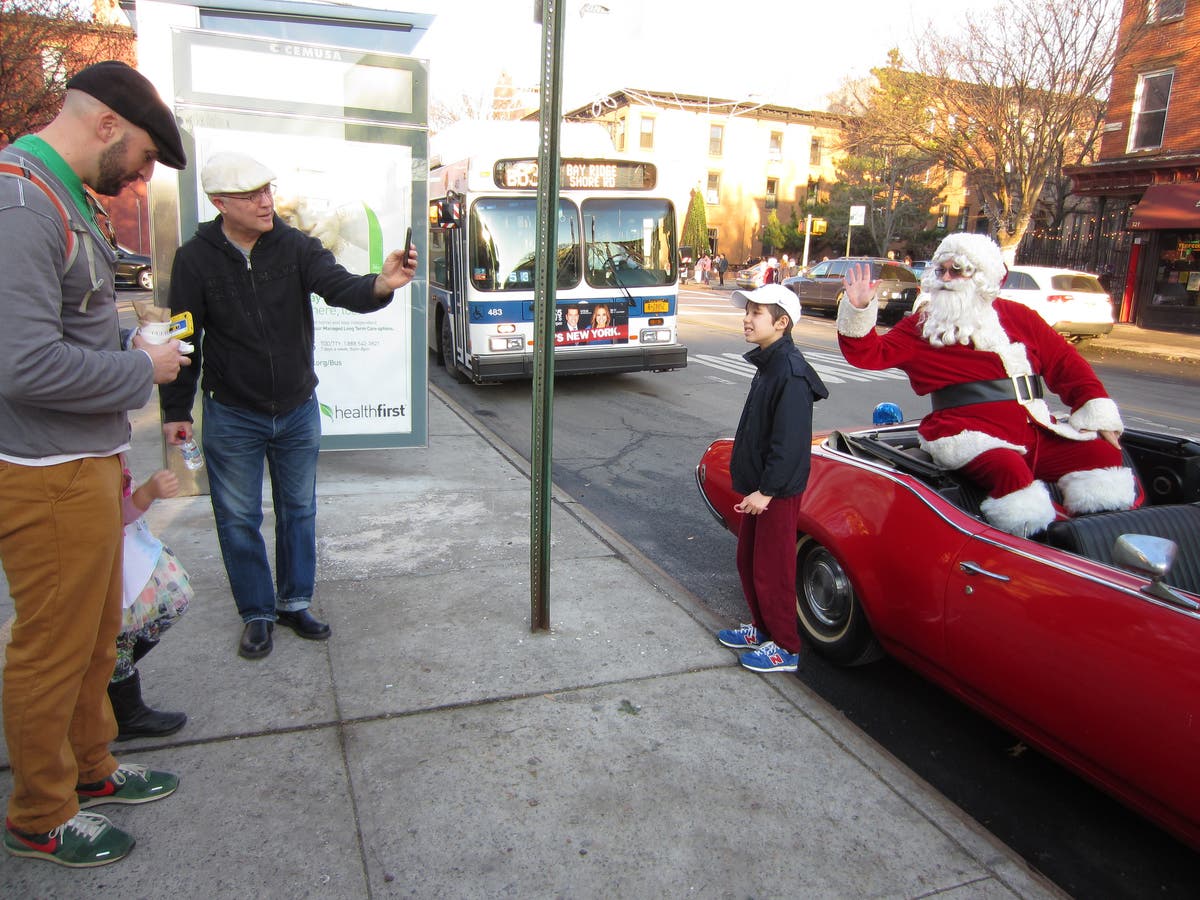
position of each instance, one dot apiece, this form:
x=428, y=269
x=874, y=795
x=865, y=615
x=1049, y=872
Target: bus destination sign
x=579, y=175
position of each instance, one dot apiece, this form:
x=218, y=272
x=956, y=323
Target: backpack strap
x=28, y=175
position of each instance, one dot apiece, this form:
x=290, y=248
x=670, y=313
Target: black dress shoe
x=302, y=622
x=256, y=639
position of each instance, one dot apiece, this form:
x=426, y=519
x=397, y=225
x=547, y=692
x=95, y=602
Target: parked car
x=821, y=287
x=919, y=267
x=750, y=278
x=133, y=270
x=1074, y=304
x=1085, y=643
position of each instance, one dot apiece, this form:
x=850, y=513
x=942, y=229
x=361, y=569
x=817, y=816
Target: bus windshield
x=630, y=242
x=503, y=244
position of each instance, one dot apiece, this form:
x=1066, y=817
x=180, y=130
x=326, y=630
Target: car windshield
x=1076, y=281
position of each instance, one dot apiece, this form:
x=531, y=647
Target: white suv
x=1073, y=303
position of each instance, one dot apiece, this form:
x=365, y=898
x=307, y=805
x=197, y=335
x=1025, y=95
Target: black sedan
x=133, y=270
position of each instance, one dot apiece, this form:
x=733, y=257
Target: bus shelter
x=327, y=98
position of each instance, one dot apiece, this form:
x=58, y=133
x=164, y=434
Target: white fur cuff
x=1023, y=513
x=1097, y=490
x=1100, y=414
x=956, y=450
x=854, y=322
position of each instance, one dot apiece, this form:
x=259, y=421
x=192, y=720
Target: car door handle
x=975, y=569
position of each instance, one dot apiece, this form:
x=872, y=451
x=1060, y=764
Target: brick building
x=1146, y=177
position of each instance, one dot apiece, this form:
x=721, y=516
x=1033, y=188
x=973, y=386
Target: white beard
x=954, y=313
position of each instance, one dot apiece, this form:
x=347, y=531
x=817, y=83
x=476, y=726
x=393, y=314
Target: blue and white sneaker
x=741, y=638
x=770, y=657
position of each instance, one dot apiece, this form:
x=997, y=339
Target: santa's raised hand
x=859, y=286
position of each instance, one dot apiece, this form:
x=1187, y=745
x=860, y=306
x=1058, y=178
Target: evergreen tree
x=695, y=226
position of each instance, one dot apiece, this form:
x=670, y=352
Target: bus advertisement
x=617, y=265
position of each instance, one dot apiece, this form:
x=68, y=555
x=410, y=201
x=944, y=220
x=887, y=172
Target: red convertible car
x=1085, y=641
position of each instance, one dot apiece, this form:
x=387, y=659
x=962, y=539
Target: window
x=772, y=193
x=963, y=218
x=439, y=258
x=814, y=152
x=619, y=137
x=712, y=195
x=716, y=139
x=629, y=241
x=1150, y=110
x=775, y=148
x=502, y=245
x=647, y=133
x=1162, y=10
x=943, y=215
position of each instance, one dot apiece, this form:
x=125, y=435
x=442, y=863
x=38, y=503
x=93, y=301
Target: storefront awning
x=1167, y=206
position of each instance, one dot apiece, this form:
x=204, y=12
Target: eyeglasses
x=267, y=190
x=954, y=270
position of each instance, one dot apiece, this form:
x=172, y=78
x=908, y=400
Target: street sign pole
x=543, y=316
x=807, y=235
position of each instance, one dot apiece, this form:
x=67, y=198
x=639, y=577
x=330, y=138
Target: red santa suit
x=1005, y=443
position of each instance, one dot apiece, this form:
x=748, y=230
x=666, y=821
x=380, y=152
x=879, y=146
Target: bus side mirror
x=447, y=212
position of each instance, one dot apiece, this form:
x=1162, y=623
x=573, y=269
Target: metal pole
x=849, y=228
x=807, y=235
x=543, y=316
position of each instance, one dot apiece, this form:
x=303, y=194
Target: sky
x=759, y=50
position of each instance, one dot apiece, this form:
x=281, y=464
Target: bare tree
x=43, y=43
x=1007, y=97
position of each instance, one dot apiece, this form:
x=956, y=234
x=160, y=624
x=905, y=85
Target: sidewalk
x=434, y=747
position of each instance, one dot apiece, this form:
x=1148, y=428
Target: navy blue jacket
x=256, y=319
x=772, y=447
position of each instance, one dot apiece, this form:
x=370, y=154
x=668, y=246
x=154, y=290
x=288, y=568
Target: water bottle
x=192, y=458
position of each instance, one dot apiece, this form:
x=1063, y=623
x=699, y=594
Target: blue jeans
x=235, y=443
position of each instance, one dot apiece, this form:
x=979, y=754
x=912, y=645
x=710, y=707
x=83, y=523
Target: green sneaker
x=88, y=839
x=129, y=784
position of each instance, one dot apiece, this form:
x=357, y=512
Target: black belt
x=1022, y=388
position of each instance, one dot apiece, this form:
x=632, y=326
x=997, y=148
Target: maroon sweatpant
x=766, y=561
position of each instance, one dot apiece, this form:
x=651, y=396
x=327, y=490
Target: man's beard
x=954, y=313
x=113, y=177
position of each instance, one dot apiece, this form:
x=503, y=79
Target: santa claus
x=986, y=363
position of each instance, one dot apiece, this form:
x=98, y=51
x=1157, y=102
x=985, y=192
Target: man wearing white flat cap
x=246, y=277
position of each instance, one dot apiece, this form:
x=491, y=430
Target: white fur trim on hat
x=1098, y=414
x=956, y=450
x=233, y=173
x=854, y=322
x=1098, y=490
x=1023, y=513
x=981, y=252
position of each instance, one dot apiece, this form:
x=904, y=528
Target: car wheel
x=145, y=279
x=831, y=618
x=447, y=352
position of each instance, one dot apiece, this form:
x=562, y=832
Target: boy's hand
x=753, y=504
x=859, y=286
x=163, y=484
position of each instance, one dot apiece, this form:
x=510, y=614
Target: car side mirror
x=1152, y=557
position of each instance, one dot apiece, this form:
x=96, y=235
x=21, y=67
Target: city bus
x=617, y=276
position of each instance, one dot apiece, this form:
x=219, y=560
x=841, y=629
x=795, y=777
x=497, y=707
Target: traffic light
x=819, y=226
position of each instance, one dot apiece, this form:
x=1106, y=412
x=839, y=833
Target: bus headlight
x=655, y=336
x=501, y=344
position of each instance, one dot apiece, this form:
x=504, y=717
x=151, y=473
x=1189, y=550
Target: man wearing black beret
x=66, y=386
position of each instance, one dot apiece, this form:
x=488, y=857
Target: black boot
x=141, y=647
x=135, y=718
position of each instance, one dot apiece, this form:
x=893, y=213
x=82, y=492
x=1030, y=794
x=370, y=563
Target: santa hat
x=981, y=253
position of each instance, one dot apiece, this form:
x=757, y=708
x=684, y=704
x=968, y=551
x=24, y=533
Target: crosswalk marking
x=831, y=367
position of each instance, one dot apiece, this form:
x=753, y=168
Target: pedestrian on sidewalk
x=157, y=593
x=721, y=264
x=769, y=467
x=247, y=278
x=68, y=378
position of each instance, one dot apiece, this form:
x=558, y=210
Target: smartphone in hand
x=408, y=241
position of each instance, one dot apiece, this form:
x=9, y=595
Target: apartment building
x=748, y=159
x=1147, y=174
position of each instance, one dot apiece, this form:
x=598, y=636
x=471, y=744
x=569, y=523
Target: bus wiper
x=608, y=258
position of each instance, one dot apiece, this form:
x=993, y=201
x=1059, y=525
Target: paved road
x=625, y=446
